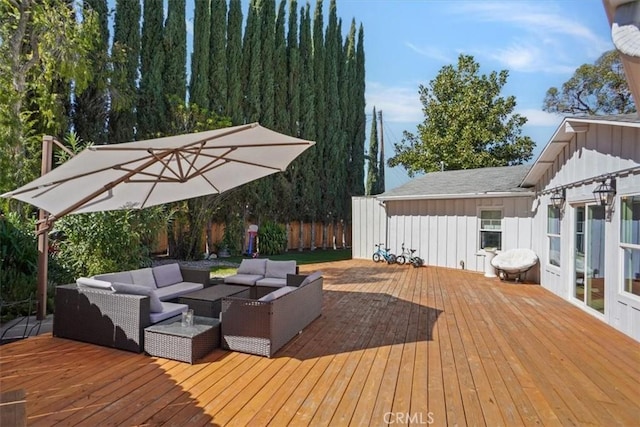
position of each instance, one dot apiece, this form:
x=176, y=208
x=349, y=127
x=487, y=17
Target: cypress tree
x=353, y=112
x=252, y=62
x=234, y=63
x=280, y=68
x=268, y=46
x=90, y=113
x=151, y=104
x=372, y=171
x=319, y=75
x=218, y=57
x=360, y=117
x=293, y=71
x=126, y=50
x=199, y=83
x=175, y=50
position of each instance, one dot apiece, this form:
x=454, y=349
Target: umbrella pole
x=43, y=235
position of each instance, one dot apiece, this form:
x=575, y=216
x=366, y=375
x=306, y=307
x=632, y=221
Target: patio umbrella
x=140, y=174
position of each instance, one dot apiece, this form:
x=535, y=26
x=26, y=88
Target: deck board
x=395, y=344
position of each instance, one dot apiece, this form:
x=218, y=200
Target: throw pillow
x=168, y=274
x=93, y=283
x=253, y=266
x=277, y=293
x=155, y=305
x=312, y=277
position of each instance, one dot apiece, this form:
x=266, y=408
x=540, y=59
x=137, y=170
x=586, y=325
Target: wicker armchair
x=262, y=328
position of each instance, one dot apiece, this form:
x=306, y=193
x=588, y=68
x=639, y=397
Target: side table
x=171, y=340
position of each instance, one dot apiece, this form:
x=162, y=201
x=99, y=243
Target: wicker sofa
x=264, y=325
x=262, y=272
x=117, y=318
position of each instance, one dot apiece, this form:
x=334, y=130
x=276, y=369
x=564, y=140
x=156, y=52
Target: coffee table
x=171, y=340
x=207, y=302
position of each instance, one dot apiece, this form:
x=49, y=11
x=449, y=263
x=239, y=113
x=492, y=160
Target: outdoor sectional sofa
x=264, y=325
x=262, y=272
x=113, y=309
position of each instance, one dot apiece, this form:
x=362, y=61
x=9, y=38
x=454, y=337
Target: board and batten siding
x=603, y=149
x=444, y=232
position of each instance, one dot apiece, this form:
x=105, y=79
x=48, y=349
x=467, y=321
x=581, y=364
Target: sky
x=407, y=42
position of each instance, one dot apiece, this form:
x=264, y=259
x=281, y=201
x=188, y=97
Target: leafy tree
x=218, y=57
x=372, y=171
x=175, y=53
x=91, y=112
x=234, y=63
x=199, y=85
x=41, y=45
x=126, y=44
x=282, y=113
x=151, y=100
x=267, y=63
x=293, y=71
x=252, y=63
x=599, y=88
x=467, y=124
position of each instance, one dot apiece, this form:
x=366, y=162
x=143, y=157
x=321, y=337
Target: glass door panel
x=579, y=254
x=594, y=258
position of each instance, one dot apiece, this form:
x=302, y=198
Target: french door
x=589, y=284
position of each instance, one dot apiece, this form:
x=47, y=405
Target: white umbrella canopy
x=136, y=175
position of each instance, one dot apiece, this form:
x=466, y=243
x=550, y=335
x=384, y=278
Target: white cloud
x=431, y=52
x=546, y=37
x=540, y=118
x=399, y=103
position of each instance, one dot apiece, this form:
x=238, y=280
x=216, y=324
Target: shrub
x=272, y=238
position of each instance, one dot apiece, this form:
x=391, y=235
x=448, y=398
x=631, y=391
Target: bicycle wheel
x=376, y=257
x=391, y=259
x=417, y=262
x=401, y=260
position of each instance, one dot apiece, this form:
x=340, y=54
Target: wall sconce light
x=605, y=192
x=558, y=198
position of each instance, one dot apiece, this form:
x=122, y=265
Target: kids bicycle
x=407, y=257
x=383, y=254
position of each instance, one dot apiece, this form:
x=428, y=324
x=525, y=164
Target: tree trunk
x=301, y=237
x=313, y=235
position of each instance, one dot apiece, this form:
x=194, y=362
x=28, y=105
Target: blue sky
x=407, y=42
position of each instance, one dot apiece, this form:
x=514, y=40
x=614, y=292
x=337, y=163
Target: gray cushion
x=311, y=278
x=155, y=305
x=93, y=283
x=243, y=279
x=120, y=276
x=169, y=309
x=177, y=289
x=143, y=277
x=255, y=266
x=272, y=282
x=277, y=293
x=167, y=274
x=280, y=269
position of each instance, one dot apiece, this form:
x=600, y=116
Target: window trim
x=625, y=246
x=482, y=209
x=551, y=235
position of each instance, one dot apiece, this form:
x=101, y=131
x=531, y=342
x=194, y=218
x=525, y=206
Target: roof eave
x=457, y=196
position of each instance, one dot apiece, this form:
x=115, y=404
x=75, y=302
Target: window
x=553, y=233
x=630, y=243
x=491, y=229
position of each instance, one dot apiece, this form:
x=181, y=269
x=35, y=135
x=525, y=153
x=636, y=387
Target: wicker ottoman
x=171, y=340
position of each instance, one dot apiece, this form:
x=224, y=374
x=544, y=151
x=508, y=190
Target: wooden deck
x=395, y=345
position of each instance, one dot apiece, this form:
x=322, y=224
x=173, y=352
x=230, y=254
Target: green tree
x=293, y=71
x=41, y=44
x=123, y=94
x=282, y=113
x=360, y=117
x=252, y=63
x=372, y=171
x=234, y=63
x=599, y=88
x=467, y=123
x=91, y=112
x=267, y=63
x=218, y=57
x=175, y=54
x=151, y=100
x=199, y=84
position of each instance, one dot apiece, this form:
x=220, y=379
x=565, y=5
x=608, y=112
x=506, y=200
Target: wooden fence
x=300, y=236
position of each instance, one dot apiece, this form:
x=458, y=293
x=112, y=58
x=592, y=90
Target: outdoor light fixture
x=605, y=192
x=558, y=198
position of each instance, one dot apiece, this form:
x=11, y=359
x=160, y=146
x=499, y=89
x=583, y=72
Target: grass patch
x=301, y=258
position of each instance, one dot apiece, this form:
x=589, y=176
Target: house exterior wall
x=603, y=149
x=444, y=232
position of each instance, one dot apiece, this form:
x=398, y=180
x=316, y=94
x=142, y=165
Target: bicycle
x=407, y=257
x=381, y=254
